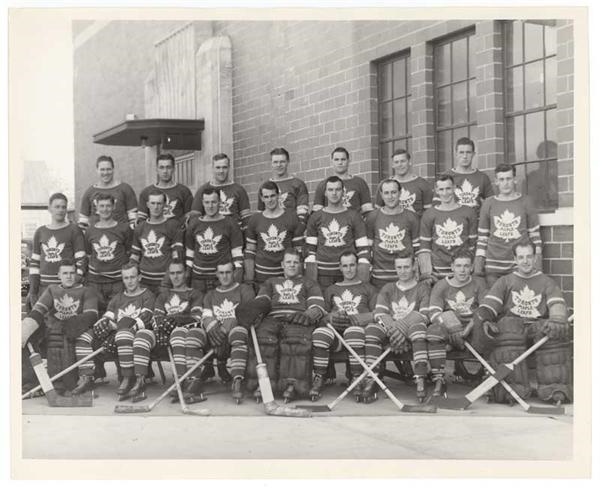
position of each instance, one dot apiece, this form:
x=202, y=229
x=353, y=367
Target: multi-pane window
x=184, y=169
x=454, y=89
x=530, y=105
x=394, y=116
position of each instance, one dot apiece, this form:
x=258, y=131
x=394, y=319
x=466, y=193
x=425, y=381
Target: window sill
x=560, y=217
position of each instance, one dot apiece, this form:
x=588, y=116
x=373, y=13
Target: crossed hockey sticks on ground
x=184, y=408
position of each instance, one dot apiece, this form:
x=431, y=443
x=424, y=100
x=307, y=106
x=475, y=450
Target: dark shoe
x=85, y=383
x=369, y=391
x=138, y=392
x=439, y=388
x=356, y=392
x=223, y=372
x=237, y=389
x=317, y=386
x=289, y=394
x=125, y=385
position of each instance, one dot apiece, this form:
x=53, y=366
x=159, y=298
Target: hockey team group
x=420, y=270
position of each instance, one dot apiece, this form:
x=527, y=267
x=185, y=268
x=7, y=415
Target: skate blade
x=546, y=410
x=452, y=404
x=420, y=408
x=315, y=408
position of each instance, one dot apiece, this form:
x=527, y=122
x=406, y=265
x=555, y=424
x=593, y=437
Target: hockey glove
x=248, y=313
x=299, y=318
x=127, y=323
x=339, y=320
x=449, y=321
x=216, y=333
x=165, y=325
x=103, y=328
x=556, y=329
x=397, y=339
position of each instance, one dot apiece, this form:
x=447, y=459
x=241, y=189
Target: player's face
x=131, y=279
x=348, y=267
x=105, y=171
x=58, y=209
x=404, y=268
x=401, y=164
x=291, y=266
x=270, y=198
x=279, y=164
x=67, y=275
x=390, y=195
x=445, y=191
x=463, y=156
x=211, y=204
x=221, y=170
x=225, y=274
x=339, y=162
x=506, y=182
x=525, y=259
x=177, y=275
x=164, y=170
x=334, y=192
x=105, y=209
x=156, y=205
x=462, y=268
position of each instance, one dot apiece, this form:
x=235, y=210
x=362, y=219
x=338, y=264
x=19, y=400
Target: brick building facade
x=371, y=86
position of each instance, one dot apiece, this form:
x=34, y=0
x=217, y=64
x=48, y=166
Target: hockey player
x=356, y=196
x=233, y=198
x=349, y=303
x=269, y=233
x=155, y=242
x=211, y=239
x=416, y=194
x=526, y=303
x=402, y=308
x=219, y=320
x=445, y=228
x=69, y=310
x=332, y=231
x=293, y=192
x=472, y=185
x=503, y=221
x=125, y=200
x=391, y=230
x=179, y=197
x=451, y=305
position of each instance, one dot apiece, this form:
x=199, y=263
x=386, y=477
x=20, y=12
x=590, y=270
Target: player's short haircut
x=280, y=152
x=130, y=265
x=57, y=196
x=464, y=141
x=334, y=179
x=391, y=180
x=404, y=254
x=221, y=156
x=293, y=252
x=268, y=185
x=348, y=253
x=105, y=158
x=224, y=262
x=444, y=177
x=67, y=262
x=341, y=149
x=176, y=261
x=155, y=192
x=209, y=191
x=505, y=167
x=401, y=151
x=462, y=252
x=165, y=157
x=523, y=243
x=105, y=196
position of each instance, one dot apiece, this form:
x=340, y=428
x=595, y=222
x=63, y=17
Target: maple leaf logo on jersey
x=461, y=304
x=52, y=250
x=273, y=239
x=207, y=242
x=66, y=307
x=347, y=302
x=169, y=209
x=407, y=199
x=225, y=204
x=526, y=303
x=105, y=250
x=507, y=226
x=175, y=305
x=288, y=292
x=402, y=308
x=347, y=197
x=334, y=234
x=448, y=234
x=152, y=245
x=467, y=194
x=282, y=198
x=226, y=310
x=130, y=311
x=391, y=238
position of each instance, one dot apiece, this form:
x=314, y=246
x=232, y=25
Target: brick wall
x=558, y=257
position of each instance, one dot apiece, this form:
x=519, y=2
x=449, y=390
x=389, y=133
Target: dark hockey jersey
x=471, y=188
x=462, y=300
x=179, y=201
x=355, y=298
x=397, y=301
x=357, y=195
x=138, y=306
x=186, y=302
x=268, y=238
x=293, y=195
x=62, y=303
x=108, y=250
x=125, y=204
x=220, y=303
x=234, y=201
x=289, y=295
x=415, y=195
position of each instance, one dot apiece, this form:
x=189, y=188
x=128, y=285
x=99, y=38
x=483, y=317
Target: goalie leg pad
x=355, y=337
x=143, y=343
x=195, y=344
x=83, y=348
x=511, y=342
x=267, y=335
x=60, y=355
x=554, y=370
x=322, y=342
x=295, y=364
x=437, y=339
x=238, y=339
x=375, y=337
x=482, y=342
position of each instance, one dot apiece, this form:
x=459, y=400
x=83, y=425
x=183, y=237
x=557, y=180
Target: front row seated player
x=69, y=310
x=519, y=308
x=349, y=303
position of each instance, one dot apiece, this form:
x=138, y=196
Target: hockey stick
x=184, y=408
x=65, y=371
x=319, y=408
x=271, y=407
x=407, y=408
x=494, y=379
x=146, y=408
x=54, y=400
